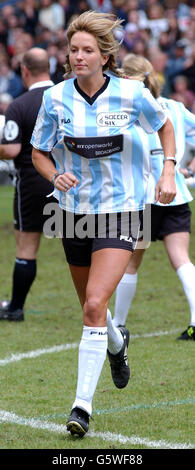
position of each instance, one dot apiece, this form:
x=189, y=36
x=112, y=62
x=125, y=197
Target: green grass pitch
x=38, y=357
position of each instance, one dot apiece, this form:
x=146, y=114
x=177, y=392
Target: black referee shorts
x=169, y=219
x=29, y=200
x=97, y=231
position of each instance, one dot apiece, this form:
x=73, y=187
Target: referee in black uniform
x=31, y=188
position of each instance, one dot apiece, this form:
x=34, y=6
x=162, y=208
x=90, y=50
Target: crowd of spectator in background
x=161, y=30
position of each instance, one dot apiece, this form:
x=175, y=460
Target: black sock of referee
x=23, y=277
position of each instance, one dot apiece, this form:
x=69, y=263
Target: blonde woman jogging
x=87, y=122
x=168, y=223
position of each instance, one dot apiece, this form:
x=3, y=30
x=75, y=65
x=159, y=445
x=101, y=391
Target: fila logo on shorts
x=127, y=239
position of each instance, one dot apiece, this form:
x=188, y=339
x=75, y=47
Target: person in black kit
x=31, y=188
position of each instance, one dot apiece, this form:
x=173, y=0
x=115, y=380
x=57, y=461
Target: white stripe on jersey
x=184, y=126
x=112, y=183
x=107, y=186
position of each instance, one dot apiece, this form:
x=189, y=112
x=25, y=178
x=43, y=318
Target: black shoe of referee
x=119, y=362
x=78, y=422
x=7, y=314
x=188, y=334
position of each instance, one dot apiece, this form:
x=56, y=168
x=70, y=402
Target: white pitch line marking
x=12, y=418
x=156, y=333
x=37, y=352
x=65, y=347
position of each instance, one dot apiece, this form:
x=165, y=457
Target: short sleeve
x=189, y=122
x=44, y=133
x=12, y=133
x=152, y=117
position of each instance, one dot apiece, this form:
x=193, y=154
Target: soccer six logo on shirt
x=118, y=119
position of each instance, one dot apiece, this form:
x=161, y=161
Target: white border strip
x=65, y=347
x=12, y=418
x=156, y=333
x=37, y=352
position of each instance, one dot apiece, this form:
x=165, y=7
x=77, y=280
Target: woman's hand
x=65, y=181
x=165, y=190
x=187, y=172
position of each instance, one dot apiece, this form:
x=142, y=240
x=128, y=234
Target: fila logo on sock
x=100, y=333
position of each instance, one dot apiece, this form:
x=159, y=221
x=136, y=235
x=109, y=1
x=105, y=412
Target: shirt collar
x=41, y=84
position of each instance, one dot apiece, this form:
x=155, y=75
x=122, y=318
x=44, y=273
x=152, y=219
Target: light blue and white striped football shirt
x=184, y=126
x=99, y=143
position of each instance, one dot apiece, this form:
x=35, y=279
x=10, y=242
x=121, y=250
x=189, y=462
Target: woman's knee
x=94, y=311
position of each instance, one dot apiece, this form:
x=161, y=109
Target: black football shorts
x=97, y=231
x=29, y=201
x=169, y=219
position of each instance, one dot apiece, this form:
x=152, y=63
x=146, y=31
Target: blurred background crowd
x=161, y=30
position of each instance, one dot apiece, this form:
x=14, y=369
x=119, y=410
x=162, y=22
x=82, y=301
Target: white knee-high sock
x=125, y=292
x=115, y=339
x=186, y=273
x=92, y=354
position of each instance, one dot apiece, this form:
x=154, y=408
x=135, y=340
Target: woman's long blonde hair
x=139, y=68
x=101, y=26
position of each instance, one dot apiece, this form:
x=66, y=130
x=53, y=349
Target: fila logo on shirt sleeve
x=115, y=119
x=65, y=121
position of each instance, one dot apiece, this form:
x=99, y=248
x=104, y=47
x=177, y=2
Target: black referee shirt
x=20, y=120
